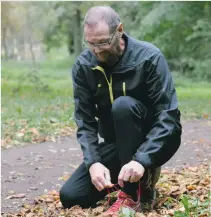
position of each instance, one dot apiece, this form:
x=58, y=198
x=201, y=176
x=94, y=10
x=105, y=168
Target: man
x=124, y=91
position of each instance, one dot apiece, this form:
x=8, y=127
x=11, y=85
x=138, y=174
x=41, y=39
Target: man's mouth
x=102, y=56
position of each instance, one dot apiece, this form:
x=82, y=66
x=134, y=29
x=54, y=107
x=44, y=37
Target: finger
x=133, y=177
x=99, y=186
x=103, y=181
x=108, y=179
x=127, y=175
x=138, y=176
x=120, y=177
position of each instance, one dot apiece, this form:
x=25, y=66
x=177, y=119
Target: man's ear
x=121, y=29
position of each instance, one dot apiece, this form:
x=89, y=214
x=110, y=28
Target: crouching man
x=123, y=90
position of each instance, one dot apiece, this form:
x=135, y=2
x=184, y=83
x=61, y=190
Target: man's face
x=108, y=54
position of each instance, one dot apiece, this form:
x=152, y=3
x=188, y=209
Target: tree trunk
x=77, y=37
x=4, y=29
x=70, y=43
x=32, y=51
x=29, y=31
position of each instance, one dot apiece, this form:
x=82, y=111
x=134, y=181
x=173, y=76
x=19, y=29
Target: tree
x=68, y=24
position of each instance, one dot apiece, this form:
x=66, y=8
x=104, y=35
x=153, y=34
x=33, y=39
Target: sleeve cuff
x=143, y=158
x=89, y=164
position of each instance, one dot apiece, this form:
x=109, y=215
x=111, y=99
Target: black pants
x=129, y=124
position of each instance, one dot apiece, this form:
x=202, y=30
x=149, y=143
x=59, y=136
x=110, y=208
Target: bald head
x=105, y=14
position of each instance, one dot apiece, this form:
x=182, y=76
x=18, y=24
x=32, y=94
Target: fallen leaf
x=175, y=188
x=15, y=196
x=206, y=116
x=22, y=130
x=153, y=215
x=34, y=131
x=205, y=182
x=170, y=212
x=27, y=206
x=162, y=201
x=73, y=166
x=169, y=185
x=59, y=205
x=165, y=171
x=53, y=120
x=193, y=169
x=3, y=142
x=19, y=135
x=98, y=210
x=182, y=209
x=201, y=141
x=139, y=215
x=53, y=192
x=64, y=178
x=191, y=187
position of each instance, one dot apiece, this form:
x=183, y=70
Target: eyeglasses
x=100, y=45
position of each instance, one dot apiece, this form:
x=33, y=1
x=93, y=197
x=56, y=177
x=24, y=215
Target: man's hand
x=130, y=172
x=100, y=176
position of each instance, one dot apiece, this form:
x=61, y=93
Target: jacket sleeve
x=84, y=116
x=158, y=147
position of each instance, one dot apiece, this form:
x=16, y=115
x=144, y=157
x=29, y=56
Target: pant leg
x=129, y=116
x=79, y=190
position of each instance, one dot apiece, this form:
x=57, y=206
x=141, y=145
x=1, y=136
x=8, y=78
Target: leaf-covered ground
x=182, y=193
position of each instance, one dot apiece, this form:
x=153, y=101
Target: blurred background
x=40, y=41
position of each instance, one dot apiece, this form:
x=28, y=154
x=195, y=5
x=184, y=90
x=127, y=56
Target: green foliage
x=63, y=28
x=181, y=30
x=45, y=94
x=193, y=207
x=37, y=98
x=126, y=212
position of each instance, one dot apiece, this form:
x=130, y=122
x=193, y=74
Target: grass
x=191, y=207
x=37, y=105
x=194, y=97
x=40, y=99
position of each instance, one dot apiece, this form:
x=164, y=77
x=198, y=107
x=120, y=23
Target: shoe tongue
x=123, y=195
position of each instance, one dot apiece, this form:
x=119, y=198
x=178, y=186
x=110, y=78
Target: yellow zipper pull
x=109, y=83
x=110, y=90
x=124, y=88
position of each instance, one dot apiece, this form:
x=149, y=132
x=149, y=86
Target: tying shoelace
x=119, y=188
x=123, y=200
x=109, y=192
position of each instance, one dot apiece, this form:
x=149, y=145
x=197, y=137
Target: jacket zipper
x=109, y=83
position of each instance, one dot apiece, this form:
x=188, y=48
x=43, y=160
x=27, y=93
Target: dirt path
x=35, y=169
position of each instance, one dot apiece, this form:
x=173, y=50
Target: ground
x=35, y=169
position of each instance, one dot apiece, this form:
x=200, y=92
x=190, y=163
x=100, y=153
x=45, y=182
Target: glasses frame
x=92, y=45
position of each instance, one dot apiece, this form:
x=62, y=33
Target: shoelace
x=110, y=191
x=118, y=188
x=117, y=204
x=139, y=191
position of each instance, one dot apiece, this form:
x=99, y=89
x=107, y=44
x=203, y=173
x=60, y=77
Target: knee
x=125, y=106
x=67, y=197
x=122, y=106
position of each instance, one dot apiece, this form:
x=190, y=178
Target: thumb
x=121, y=176
x=108, y=178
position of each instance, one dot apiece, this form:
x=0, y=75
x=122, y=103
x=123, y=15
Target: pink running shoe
x=123, y=200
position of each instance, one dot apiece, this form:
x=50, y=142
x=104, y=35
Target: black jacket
x=142, y=73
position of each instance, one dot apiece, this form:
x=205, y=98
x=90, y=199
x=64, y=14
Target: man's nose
x=97, y=49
